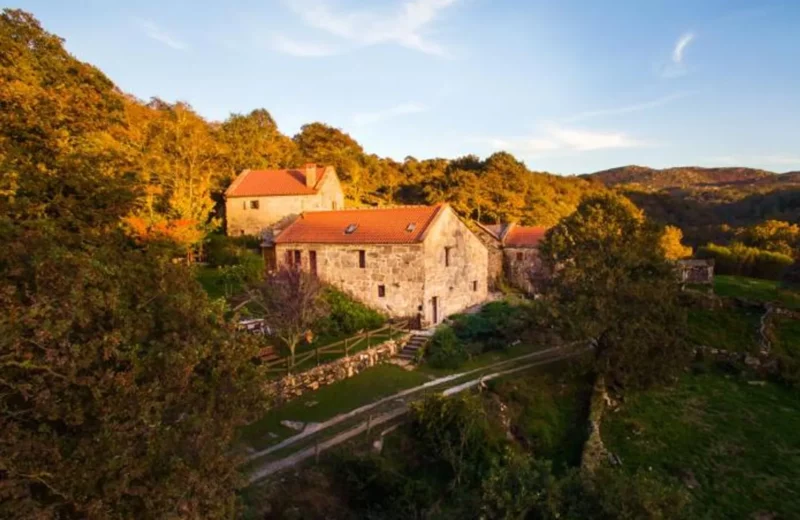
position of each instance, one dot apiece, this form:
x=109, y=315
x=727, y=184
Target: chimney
x=311, y=175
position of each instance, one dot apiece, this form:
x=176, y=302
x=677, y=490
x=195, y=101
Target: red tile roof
x=255, y=183
x=524, y=236
x=372, y=226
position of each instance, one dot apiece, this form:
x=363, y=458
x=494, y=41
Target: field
x=734, y=329
x=736, y=443
x=755, y=289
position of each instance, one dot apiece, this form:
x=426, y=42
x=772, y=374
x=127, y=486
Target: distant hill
x=652, y=179
x=709, y=204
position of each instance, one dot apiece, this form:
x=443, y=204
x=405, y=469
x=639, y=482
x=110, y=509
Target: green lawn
x=481, y=360
x=329, y=401
x=756, y=290
x=733, y=329
x=740, y=442
x=549, y=408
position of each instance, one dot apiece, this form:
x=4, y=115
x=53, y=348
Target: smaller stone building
x=696, y=270
x=258, y=199
x=419, y=262
x=513, y=254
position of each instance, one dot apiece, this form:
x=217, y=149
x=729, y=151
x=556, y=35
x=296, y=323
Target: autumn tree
x=291, y=302
x=672, y=244
x=121, y=386
x=774, y=235
x=612, y=283
x=253, y=141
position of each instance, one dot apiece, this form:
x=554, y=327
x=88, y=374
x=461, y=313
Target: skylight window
x=410, y=227
x=350, y=229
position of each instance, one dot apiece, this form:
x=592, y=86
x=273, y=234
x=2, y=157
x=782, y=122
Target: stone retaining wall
x=295, y=385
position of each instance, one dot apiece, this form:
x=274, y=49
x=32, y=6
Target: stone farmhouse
x=419, y=262
x=513, y=254
x=258, y=199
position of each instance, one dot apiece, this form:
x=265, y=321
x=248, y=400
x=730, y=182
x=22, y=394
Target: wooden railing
x=352, y=344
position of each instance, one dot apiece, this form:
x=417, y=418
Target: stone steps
x=414, y=344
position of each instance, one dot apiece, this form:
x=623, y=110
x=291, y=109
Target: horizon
x=663, y=85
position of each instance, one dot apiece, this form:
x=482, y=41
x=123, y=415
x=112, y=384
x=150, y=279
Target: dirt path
x=400, y=405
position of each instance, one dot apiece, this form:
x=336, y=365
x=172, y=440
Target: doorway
x=435, y=309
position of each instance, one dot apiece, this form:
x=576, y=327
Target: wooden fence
x=355, y=343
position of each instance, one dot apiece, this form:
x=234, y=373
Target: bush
x=739, y=259
x=445, y=350
x=224, y=251
x=496, y=326
x=346, y=317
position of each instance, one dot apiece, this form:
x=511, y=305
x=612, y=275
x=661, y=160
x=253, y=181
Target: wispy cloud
x=636, y=107
x=557, y=139
x=367, y=118
x=404, y=26
x=154, y=32
x=676, y=67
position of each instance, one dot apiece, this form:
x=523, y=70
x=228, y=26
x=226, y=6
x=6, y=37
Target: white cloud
x=361, y=28
x=680, y=47
x=366, y=118
x=558, y=139
x=676, y=67
x=637, y=107
x=154, y=32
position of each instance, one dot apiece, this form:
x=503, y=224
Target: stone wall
x=399, y=268
x=495, y=258
x=295, y=385
x=521, y=266
x=457, y=279
x=241, y=220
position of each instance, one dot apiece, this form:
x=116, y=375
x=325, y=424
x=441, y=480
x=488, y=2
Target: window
x=334, y=205
x=362, y=259
x=447, y=257
x=312, y=262
x=298, y=257
x=253, y=204
x=519, y=257
x=288, y=257
x=244, y=204
x=410, y=227
x=381, y=291
x=350, y=229
x=474, y=286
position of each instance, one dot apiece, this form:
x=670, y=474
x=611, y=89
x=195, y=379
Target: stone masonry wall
x=463, y=282
x=521, y=263
x=399, y=268
x=295, y=385
x=495, y=259
x=241, y=220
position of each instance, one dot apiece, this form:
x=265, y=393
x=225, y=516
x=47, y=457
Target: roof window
x=411, y=226
x=350, y=229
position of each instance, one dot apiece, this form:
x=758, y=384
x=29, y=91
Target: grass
x=788, y=336
x=549, y=411
x=331, y=400
x=481, y=360
x=740, y=442
x=756, y=290
x=213, y=283
x=733, y=329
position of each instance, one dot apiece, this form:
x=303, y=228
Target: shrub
x=493, y=328
x=346, y=316
x=223, y=251
x=739, y=259
x=445, y=350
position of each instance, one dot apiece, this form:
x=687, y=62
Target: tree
x=612, y=283
x=672, y=246
x=291, y=302
x=121, y=386
x=774, y=235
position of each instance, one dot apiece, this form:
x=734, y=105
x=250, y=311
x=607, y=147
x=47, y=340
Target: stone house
x=258, y=199
x=419, y=262
x=513, y=254
x=696, y=270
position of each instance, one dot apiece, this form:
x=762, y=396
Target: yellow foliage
x=672, y=246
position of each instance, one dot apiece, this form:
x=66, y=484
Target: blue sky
x=567, y=86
